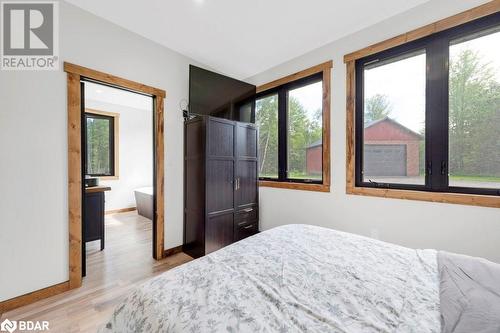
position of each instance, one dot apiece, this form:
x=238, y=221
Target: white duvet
x=295, y=278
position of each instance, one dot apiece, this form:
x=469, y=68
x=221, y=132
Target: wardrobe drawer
x=246, y=231
x=244, y=216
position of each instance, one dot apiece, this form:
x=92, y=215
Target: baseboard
x=172, y=251
x=32, y=297
x=121, y=210
x=56, y=289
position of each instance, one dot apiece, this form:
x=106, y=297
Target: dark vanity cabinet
x=93, y=221
x=220, y=183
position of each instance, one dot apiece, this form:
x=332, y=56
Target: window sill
x=451, y=198
x=295, y=186
x=109, y=178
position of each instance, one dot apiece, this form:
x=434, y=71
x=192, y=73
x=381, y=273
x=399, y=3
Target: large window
x=430, y=115
x=100, y=145
x=291, y=117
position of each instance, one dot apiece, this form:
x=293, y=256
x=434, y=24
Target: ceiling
x=242, y=38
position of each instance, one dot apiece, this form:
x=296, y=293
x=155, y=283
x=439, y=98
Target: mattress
x=294, y=278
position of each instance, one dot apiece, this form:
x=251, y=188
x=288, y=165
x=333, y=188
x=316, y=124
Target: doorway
x=117, y=165
x=76, y=115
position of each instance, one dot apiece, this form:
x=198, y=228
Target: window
x=430, y=117
x=394, y=120
x=474, y=104
x=304, y=135
x=101, y=138
x=291, y=121
x=266, y=115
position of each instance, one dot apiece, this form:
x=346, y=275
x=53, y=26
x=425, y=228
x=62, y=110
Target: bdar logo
x=23, y=325
x=8, y=326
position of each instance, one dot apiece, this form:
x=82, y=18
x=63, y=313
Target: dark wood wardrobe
x=220, y=183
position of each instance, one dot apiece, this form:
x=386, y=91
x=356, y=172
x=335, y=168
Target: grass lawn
x=477, y=178
x=302, y=175
x=294, y=175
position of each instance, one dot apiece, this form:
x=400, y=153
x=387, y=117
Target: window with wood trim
x=291, y=118
x=428, y=113
x=101, y=139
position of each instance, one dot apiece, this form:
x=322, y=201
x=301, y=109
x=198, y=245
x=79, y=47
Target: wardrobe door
x=220, y=166
x=246, y=194
x=220, y=179
x=219, y=184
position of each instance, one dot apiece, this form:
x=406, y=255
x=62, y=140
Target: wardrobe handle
x=247, y=210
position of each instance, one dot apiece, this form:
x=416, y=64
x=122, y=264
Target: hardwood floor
x=125, y=263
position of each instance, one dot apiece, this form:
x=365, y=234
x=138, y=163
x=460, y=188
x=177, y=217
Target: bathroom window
x=101, y=131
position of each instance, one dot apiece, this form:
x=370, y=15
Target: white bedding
x=295, y=278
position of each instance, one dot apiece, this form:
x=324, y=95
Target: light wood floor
x=125, y=263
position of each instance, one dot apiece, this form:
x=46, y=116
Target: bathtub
x=144, y=201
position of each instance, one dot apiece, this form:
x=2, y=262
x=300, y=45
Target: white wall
x=33, y=146
x=464, y=229
x=135, y=153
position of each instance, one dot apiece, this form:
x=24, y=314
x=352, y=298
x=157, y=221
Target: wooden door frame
x=74, y=74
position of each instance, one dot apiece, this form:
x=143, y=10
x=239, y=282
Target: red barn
x=390, y=149
x=314, y=158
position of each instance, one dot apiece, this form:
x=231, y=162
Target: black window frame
x=436, y=48
x=282, y=94
x=111, y=120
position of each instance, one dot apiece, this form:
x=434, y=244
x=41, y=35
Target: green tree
x=98, y=146
x=302, y=131
x=267, y=122
x=377, y=107
x=474, y=106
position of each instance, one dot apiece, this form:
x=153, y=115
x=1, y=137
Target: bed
x=302, y=278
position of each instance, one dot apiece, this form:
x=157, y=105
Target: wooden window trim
x=116, y=140
x=350, y=60
x=441, y=25
x=295, y=186
x=324, y=68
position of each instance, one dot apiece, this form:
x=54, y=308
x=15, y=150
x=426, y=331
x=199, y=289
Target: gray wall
x=464, y=229
x=33, y=146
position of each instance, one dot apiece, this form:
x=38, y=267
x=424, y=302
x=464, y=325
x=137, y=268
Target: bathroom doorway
x=77, y=77
x=118, y=190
